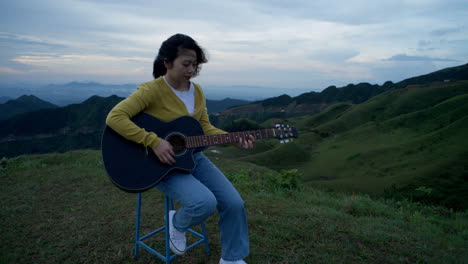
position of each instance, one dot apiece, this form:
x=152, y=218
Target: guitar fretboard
x=203, y=141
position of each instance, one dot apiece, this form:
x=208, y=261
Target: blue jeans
x=200, y=193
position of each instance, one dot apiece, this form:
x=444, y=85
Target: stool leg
x=205, y=236
x=171, y=204
x=167, y=207
x=137, y=228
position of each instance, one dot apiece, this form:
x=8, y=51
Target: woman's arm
x=119, y=118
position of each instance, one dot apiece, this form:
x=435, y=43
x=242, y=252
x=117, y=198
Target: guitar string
x=199, y=141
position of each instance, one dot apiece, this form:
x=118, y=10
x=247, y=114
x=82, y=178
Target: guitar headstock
x=285, y=133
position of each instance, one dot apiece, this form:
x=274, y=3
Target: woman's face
x=183, y=68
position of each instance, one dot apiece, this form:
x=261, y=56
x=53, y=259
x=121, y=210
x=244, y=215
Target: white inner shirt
x=188, y=97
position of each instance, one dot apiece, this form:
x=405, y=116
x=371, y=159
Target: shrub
x=286, y=179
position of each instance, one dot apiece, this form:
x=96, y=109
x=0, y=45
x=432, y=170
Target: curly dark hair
x=169, y=51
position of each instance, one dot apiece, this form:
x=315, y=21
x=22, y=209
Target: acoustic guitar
x=135, y=168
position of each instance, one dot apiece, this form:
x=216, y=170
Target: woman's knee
x=204, y=205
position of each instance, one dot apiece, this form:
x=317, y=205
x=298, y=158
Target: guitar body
x=135, y=168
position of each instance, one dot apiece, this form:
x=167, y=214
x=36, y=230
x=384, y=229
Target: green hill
x=60, y=129
x=75, y=126
x=216, y=106
x=61, y=208
x=23, y=104
x=396, y=144
x=457, y=73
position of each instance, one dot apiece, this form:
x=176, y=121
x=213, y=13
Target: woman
x=170, y=95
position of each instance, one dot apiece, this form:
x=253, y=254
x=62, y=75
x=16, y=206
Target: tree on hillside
x=242, y=124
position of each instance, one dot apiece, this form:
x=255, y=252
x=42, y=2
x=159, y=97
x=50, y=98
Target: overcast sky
x=291, y=46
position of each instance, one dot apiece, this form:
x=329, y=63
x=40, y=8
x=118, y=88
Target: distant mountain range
x=69, y=93
x=32, y=125
x=4, y=99
x=77, y=92
x=80, y=125
x=30, y=103
x=354, y=93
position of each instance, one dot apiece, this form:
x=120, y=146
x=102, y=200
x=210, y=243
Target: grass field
x=61, y=208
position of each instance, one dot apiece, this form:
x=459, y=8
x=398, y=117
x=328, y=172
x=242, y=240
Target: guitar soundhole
x=178, y=143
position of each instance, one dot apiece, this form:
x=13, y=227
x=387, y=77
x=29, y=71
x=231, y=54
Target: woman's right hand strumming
x=165, y=152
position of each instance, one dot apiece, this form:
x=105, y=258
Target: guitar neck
x=212, y=140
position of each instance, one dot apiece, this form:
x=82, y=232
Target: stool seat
x=167, y=256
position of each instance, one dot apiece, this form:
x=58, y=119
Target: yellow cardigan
x=158, y=99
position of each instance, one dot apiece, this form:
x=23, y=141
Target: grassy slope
x=399, y=139
x=61, y=208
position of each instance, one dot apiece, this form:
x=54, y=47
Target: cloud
x=355, y=12
x=404, y=57
x=444, y=31
x=90, y=64
x=14, y=39
x=296, y=43
x=6, y=70
x=361, y=12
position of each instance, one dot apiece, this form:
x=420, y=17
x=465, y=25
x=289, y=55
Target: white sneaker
x=177, y=240
x=240, y=261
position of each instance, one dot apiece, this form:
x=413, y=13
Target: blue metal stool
x=168, y=205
